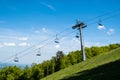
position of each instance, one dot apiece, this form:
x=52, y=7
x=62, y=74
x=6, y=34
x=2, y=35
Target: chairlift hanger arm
x=56, y=40
x=38, y=52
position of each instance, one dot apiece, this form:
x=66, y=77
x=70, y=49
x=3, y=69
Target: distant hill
x=102, y=67
x=11, y=64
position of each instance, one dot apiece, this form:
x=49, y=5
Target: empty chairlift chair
x=16, y=59
x=77, y=35
x=38, y=52
x=100, y=23
x=56, y=39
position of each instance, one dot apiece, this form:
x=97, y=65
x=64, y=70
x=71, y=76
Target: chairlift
x=100, y=22
x=38, y=53
x=56, y=40
x=77, y=36
x=16, y=59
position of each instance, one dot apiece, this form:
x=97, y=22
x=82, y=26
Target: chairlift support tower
x=79, y=26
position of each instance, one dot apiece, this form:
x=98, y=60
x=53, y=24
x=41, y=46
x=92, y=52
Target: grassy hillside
x=102, y=67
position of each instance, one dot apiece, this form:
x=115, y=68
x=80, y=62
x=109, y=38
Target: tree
x=72, y=58
x=58, y=62
x=27, y=73
x=52, y=66
x=36, y=72
x=11, y=73
x=113, y=46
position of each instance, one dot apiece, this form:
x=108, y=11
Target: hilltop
x=102, y=67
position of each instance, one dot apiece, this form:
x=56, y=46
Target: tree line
x=56, y=63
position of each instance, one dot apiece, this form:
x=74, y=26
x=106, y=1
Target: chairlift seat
x=77, y=36
x=16, y=60
x=56, y=41
x=38, y=54
x=100, y=24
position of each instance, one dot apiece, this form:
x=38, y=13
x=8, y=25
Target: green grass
x=102, y=67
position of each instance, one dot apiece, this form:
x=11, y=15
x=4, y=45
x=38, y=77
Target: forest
x=56, y=63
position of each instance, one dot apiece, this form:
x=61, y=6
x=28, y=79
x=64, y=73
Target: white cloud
x=75, y=40
x=101, y=27
x=9, y=44
x=48, y=5
x=57, y=46
x=44, y=30
x=24, y=44
x=97, y=44
x=63, y=38
x=111, y=31
x=1, y=45
x=14, y=38
x=23, y=38
x=88, y=44
x=92, y=43
x=37, y=31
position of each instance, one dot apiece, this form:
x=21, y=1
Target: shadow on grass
x=110, y=71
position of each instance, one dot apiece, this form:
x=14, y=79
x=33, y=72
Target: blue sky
x=26, y=25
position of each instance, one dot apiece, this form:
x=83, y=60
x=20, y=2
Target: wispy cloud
x=14, y=37
x=101, y=27
x=9, y=44
x=91, y=43
x=110, y=31
x=75, y=40
x=38, y=31
x=57, y=46
x=44, y=30
x=24, y=44
x=97, y=44
x=1, y=45
x=23, y=38
x=48, y=5
x=13, y=44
